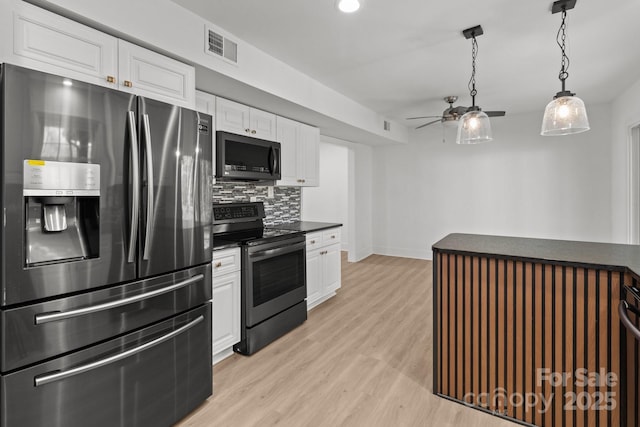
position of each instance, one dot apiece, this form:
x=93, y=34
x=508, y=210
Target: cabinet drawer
x=226, y=261
x=331, y=236
x=314, y=240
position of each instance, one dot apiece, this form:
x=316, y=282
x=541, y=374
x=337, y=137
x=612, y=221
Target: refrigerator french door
x=106, y=234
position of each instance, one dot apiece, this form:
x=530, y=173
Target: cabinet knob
x=333, y=236
x=253, y=132
x=312, y=242
x=247, y=130
x=111, y=79
x=304, y=180
x=218, y=264
x=127, y=83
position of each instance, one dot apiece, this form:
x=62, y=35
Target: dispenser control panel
x=49, y=178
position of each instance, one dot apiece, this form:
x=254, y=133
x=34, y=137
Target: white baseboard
x=404, y=252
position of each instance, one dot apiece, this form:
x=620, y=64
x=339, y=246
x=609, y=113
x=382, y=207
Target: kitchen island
x=528, y=329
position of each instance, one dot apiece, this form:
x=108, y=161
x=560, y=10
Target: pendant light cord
x=561, y=39
x=472, y=82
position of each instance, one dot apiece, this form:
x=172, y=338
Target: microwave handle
x=274, y=161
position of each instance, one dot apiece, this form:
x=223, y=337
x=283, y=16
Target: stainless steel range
x=273, y=273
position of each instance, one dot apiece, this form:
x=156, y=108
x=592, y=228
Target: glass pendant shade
x=565, y=115
x=474, y=127
x=348, y=6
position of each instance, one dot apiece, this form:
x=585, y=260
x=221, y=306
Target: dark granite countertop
x=219, y=244
x=306, y=226
x=617, y=257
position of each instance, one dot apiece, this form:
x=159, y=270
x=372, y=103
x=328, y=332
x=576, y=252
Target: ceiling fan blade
x=430, y=123
x=423, y=117
x=495, y=113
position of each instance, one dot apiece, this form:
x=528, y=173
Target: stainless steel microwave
x=242, y=158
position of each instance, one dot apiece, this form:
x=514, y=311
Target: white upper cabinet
x=244, y=120
x=206, y=103
x=147, y=73
x=48, y=42
x=262, y=124
x=299, y=153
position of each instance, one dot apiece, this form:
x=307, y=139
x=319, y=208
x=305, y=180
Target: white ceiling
x=401, y=57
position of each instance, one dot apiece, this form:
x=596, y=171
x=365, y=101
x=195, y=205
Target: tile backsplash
x=283, y=207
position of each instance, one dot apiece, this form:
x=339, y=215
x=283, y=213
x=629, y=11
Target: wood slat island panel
x=515, y=335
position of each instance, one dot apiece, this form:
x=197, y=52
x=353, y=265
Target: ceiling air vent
x=221, y=46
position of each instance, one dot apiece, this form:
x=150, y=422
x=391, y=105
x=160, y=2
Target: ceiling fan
x=452, y=114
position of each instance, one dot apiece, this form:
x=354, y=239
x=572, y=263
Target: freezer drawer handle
x=135, y=199
x=624, y=318
x=61, y=315
x=150, y=184
x=60, y=375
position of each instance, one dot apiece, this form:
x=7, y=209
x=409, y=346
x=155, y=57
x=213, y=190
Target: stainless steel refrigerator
x=105, y=311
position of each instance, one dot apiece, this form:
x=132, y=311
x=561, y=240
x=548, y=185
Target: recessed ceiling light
x=67, y=82
x=348, y=6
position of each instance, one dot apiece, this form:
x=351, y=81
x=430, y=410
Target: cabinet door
x=331, y=263
x=147, y=73
x=232, y=117
x=206, y=103
x=226, y=311
x=50, y=43
x=287, y=136
x=262, y=124
x=309, y=142
x=314, y=277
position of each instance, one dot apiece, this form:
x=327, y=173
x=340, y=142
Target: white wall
x=625, y=113
x=519, y=184
x=329, y=202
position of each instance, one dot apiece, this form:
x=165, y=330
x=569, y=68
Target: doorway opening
x=634, y=185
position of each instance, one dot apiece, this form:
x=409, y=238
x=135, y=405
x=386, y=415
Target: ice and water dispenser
x=62, y=211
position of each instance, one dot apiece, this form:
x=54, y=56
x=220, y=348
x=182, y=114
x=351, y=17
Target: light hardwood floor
x=363, y=358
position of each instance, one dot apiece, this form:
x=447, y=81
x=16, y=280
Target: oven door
x=274, y=279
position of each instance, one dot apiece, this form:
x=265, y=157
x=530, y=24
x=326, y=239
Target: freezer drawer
x=43, y=330
x=152, y=377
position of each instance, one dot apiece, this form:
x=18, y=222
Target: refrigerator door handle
x=60, y=375
x=149, y=164
x=62, y=315
x=135, y=199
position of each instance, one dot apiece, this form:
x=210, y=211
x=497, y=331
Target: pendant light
x=474, y=126
x=566, y=114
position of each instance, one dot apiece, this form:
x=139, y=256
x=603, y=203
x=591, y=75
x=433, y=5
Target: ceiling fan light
x=474, y=127
x=565, y=115
x=348, y=6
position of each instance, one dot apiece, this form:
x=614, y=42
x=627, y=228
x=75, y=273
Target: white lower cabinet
x=226, y=302
x=323, y=266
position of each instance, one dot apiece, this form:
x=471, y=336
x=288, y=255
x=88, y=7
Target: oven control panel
x=237, y=211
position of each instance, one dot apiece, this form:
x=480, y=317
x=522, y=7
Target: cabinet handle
x=247, y=130
x=253, y=132
x=333, y=236
x=218, y=264
x=127, y=83
x=312, y=242
x=304, y=180
x=111, y=79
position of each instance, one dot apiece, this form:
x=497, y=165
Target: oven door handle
x=268, y=253
x=624, y=318
x=61, y=315
x=60, y=375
